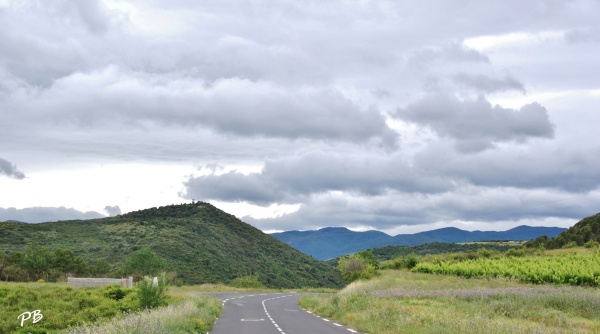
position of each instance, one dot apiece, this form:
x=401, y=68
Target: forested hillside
x=201, y=243
x=586, y=231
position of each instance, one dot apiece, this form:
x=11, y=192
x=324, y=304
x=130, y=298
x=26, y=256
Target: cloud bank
x=364, y=114
x=45, y=214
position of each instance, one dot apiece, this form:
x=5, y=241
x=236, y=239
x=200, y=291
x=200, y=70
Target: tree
x=37, y=260
x=144, y=262
x=13, y=267
x=369, y=257
x=4, y=259
x=100, y=268
x=354, y=267
x=64, y=261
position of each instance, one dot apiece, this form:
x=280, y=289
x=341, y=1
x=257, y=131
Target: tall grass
x=109, y=309
x=405, y=302
x=195, y=315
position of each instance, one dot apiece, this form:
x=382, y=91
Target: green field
x=572, y=269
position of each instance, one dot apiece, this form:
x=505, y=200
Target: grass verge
x=405, y=302
x=194, y=315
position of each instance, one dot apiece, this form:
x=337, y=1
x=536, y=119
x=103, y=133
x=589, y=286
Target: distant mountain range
x=331, y=242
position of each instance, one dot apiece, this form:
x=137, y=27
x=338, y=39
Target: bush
x=355, y=267
x=515, y=253
x=249, y=282
x=410, y=261
x=116, y=292
x=395, y=263
x=150, y=295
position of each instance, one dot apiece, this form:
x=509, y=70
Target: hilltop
x=329, y=243
x=201, y=243
x=585, y=231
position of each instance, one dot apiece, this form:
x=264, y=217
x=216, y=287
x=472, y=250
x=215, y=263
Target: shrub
x=249, y=281
x=395, y=263
x=355, y=267
x=116, y=292
x=514, y=253
x=410, y=261
x=150, y=295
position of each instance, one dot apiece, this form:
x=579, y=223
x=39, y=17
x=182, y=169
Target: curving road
x=270, y=313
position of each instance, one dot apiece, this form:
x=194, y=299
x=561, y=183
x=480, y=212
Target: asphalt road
x=270, y=313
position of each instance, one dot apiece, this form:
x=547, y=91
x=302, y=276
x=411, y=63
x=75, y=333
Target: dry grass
x=191, y=316
x=404, y=302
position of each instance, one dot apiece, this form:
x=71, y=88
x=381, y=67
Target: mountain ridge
x=331, y=242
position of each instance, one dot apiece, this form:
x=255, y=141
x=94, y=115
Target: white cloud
x=35, y=215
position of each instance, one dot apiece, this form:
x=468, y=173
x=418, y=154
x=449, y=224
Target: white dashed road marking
x=334, y=323
x=269, y=316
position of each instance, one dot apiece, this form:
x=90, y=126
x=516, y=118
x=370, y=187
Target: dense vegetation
x=199, y=242
x=61, y=306
x=109, y=309
x=572, y=269
x=391, y=252
x=585, y=231
x=37, y=262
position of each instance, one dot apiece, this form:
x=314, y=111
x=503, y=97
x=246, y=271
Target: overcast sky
x=400, y=116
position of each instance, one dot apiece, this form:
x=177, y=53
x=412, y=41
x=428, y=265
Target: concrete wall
x=77, y=282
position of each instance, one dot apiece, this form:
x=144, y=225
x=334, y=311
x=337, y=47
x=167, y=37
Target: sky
x=398, y=116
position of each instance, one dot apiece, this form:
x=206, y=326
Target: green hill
x=201, y=243
x=586, y=230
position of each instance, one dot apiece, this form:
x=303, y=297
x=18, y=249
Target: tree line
x=38, y=262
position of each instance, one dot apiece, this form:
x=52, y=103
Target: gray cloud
x=231, y=106
x=294, y=179
x=476, y=125
x=112, y=210
x=485, y=84
x=579, y=36
x=533, y=168
x=396, y=211
x=94, y=15
x=45, y=214
x=450, y=53
x=10, y=170
x=362, y=112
